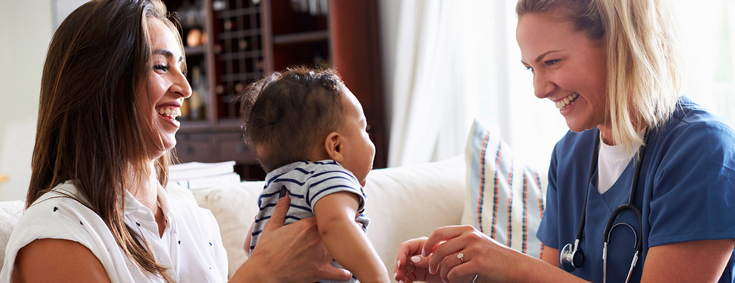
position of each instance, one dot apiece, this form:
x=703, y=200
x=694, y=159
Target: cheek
x=369, y=146
x=156, y=87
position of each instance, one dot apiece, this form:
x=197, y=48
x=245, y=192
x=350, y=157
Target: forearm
x=351, y=248
x=530, y=269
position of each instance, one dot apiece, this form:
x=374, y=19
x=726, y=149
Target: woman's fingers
x=443, y=234
x=447, y=253
x=330, y=272
x=420, y=261
x=461, y=273
x=409, y=248
x=449, y=263
x=406, y=250
x=441, y=244
x=411, y=265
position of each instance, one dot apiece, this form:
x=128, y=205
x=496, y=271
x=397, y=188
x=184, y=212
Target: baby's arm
x=345, y=239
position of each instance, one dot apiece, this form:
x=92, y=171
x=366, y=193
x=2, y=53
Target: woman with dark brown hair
x=96, y=210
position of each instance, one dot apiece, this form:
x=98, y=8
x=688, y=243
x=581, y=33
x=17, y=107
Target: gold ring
x=460, y=256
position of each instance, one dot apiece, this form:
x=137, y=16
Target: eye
x=367, y=128
x=161, y=67
x=551, y=62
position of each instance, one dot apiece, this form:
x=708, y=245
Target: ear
x=333, y=146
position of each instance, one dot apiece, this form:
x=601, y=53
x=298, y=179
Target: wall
x=25, y=31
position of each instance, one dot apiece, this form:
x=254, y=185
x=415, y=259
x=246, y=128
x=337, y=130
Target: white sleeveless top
x=191, y=245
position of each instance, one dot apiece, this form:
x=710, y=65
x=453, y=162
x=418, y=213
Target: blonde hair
x=643, y=62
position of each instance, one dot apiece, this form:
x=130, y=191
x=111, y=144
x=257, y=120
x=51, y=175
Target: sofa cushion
x=410, y=202
x=10, y=213
x=505, y=198
x=234, y=206
x=402, y=203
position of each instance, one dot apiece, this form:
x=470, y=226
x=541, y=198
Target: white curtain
x=427, y=105
x=708, y=36
x=457, y=60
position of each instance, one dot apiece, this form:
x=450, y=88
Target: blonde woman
x=640, y=189
x=112, y=86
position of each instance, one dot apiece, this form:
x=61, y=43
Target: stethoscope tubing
x=611, y=220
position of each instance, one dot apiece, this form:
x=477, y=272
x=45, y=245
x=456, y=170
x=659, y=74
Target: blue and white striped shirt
x=307, y=183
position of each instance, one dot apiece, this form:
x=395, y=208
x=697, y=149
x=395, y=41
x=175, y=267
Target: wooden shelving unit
x=247, y=39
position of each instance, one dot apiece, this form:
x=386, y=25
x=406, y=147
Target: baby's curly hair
x=286, y=114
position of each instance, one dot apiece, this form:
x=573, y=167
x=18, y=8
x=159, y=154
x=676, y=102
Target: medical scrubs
x=686, y=192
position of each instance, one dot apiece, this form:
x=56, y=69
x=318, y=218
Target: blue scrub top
x=686, y=192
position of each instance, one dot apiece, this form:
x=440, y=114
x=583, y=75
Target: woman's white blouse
x=191, y=244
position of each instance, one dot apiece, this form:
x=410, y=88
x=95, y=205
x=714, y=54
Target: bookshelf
x=232, y=43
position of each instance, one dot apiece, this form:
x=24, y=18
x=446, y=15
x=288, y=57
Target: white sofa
x=403, y=203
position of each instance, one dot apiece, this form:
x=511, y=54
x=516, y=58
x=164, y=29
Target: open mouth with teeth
x=569, y=100
x=169, y=112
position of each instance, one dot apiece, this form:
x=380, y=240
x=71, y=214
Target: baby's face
x=358, y=149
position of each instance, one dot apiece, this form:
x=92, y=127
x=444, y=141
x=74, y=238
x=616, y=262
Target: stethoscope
x=571, y=255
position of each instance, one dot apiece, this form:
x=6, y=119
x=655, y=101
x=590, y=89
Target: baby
x=310, y=135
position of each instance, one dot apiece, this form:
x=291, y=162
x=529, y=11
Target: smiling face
x=165, y=88
x=357, y=148
x=568, y=68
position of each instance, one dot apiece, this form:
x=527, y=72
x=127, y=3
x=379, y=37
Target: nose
x=542, y=86
x=181, y=85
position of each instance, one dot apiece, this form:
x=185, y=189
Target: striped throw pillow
x=505, y=198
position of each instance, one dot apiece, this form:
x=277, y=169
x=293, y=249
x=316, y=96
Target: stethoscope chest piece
x=571, y=257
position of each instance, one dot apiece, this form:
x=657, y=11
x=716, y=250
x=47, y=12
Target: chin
x=169, y=144
x=576, y=126
x=157, y=152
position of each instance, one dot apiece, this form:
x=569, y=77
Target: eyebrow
x=541, y=57
x=167, y=53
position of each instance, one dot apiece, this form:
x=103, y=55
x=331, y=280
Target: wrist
x=536, y=270
x=251, y=271
x=525, y=268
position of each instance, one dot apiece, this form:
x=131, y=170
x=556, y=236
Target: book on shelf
x=195, y=170
x=199, y=175
x=207, y=182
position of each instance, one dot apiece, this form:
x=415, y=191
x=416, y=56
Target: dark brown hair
x=92, y=130
x=286, y=114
